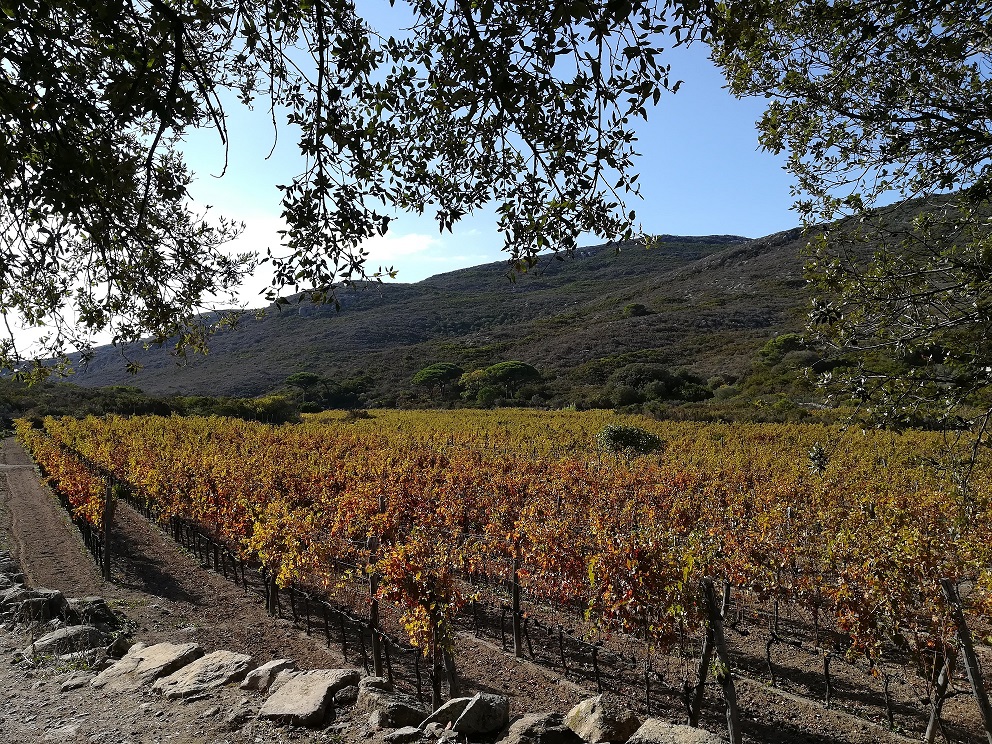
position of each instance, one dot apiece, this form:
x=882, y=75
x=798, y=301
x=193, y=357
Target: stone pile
x=86, y=632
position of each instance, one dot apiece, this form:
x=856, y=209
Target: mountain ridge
x=706, y=303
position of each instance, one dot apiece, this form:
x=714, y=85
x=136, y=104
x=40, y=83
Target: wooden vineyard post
x=107, y=527
x=696, y=704
x=725, y=676
x=515, y=600
x=373, y=547
x=940, y=692
x=437, y=665
x=374, y=619
x=968, y=652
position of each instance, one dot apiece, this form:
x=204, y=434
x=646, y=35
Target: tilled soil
x=165, y=594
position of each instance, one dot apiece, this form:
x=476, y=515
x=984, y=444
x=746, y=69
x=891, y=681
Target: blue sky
x=701, y=173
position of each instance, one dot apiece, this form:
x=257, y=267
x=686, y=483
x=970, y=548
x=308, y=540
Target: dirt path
x=43, y=540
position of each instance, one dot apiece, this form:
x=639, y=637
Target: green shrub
x=635, y=310
x=628, y=440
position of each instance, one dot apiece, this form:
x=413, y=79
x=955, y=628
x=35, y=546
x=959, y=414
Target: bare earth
x=166, y=595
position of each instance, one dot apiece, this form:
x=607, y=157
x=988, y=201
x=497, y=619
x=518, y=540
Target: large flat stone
x=66, y=640
x=206, y=673
x=485, y=714
x=304, y=699
x=540, y=728
x=656, y=731
x=142, y=665
x=387, y=709
x=604, y=718
x=263, y=677
x=447, y=713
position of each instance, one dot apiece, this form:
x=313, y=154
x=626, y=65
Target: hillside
x=709, y=303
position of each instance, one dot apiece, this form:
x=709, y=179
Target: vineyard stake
x=108, y=521
x=595, y=668
x=365, y=654
x=373, y=545
x=530, y=648
x=970, y=660
x=826, y=674
x=436, y=666
x=939, y=693
x=327, y=631
x=888, y=700
x=647, y=689
x=561, y=650
x=518, y=650
x=416, y=670
x=725, y=676
x=389, y=666
x=344, y=636
x=695, y=703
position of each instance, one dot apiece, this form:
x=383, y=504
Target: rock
x=66, y=640
x=238, y=716
x=119, y=647
x=206, y=673
x=57, y=603
x=375, y=683
x=304, y=700
x=65, y=733
x=263, y=677
x=603, y=718
x=75, y=680
x=541, y=728
x=656, y=731
x=447, y=713
x=143, y=665
x=281, y=679
x=32, y=610
x=8, y=566
x=345, y=696
x=388, y=709
x=90, y=610
x=95, y=658
x=434, y=729
x=485, y=714
x=15, y=595
x=404, y=735
x=5, y=582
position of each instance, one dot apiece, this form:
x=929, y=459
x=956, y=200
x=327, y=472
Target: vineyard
x=833, y=541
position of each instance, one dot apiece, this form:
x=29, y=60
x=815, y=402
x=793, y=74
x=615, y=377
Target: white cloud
x=390, y=248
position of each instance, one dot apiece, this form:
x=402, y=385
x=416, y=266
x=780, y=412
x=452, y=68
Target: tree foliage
x=524, y=105
x=875, y=101
x=438, y=374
